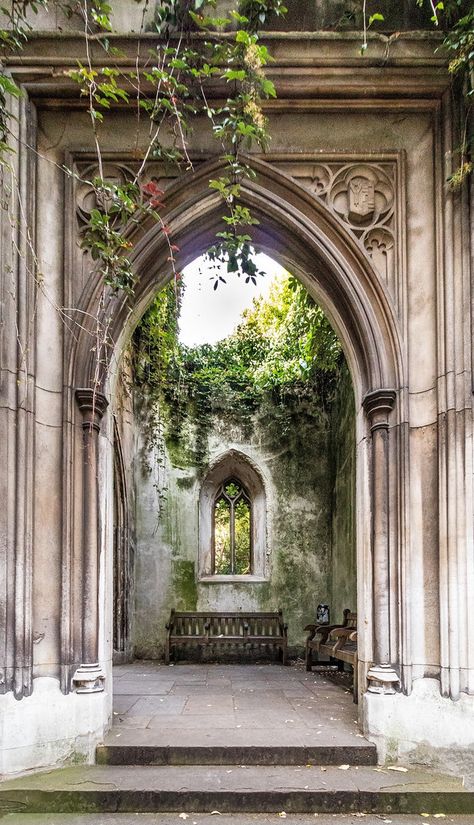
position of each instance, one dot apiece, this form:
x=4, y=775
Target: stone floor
x=267, y=704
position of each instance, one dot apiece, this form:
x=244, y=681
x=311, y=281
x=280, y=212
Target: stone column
x=89, y=677
x=382, y=677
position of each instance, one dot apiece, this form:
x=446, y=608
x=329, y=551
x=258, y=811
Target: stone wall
x=290, y=448
x=303, y=453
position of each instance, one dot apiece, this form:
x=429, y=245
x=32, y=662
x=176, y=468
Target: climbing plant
x=283, y=351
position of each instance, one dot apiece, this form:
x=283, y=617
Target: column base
x=382, y=679
x=89, y=679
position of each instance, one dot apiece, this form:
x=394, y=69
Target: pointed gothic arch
x=297, y=229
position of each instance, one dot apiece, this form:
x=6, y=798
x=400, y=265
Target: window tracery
x=232, y=530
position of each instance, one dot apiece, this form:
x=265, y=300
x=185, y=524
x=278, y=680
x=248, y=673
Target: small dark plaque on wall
x=322, y=614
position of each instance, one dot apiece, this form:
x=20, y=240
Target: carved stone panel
x=115, y=173
x=365, y=196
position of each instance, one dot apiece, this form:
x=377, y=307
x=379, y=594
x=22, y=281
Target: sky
x=208, y=315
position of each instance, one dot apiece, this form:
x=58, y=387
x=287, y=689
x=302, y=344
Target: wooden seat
x=338, y=642
x=226, y=630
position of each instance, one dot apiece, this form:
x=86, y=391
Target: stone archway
x=298, y=229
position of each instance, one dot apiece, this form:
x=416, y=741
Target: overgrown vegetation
x=283, y=351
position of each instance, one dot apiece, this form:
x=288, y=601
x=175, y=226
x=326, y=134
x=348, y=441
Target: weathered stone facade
x=351, y=198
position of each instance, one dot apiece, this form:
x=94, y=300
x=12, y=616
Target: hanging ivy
x=284, y=352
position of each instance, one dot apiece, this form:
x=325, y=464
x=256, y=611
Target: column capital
x=378, y=405
x=92, y=405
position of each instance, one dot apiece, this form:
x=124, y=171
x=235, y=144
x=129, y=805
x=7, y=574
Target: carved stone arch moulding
x=365, y=192
x=302, y=233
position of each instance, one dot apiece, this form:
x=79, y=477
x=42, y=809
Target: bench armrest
x=311, y=630
x=341, y=633
x=324, y=631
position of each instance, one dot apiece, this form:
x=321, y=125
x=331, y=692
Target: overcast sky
x=208, y=315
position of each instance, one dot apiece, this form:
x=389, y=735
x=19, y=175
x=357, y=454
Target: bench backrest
x=225, y=624
x=350, y=619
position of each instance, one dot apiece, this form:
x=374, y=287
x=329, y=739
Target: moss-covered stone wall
x=291, y=447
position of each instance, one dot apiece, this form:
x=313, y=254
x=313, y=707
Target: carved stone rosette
x=382, y=677
x=89, y=677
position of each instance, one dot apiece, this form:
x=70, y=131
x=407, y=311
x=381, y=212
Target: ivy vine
x=284, y=353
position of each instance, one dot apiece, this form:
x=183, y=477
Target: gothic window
x=232, y=530
x=233, y=541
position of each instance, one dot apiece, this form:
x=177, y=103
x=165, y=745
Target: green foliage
x=283, y=350
x=169, y=92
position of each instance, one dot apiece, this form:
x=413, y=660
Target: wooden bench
x=227, y=630
x=338, y=642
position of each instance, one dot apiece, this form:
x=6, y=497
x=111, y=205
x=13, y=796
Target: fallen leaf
x=184, y=816
x=344, y=767
x=216, y=813
x=424, y=814
x=397, y=768
x=439, y=816
x=282, y=814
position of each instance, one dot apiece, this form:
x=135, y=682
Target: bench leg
x=309, y=658
x=340, y=666
x=355, y=688
x=167, y=653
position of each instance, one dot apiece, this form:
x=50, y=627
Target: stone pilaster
x=89, y=677
x=378, y=405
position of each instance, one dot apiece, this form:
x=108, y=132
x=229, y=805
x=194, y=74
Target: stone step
x=232, y=819
x=140, y=754
x=323, y=790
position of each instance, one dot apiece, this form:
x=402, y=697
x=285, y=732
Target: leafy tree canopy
x=284, y=346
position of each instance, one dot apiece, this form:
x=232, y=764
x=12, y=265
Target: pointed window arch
x=232, y=521
x=232, y=530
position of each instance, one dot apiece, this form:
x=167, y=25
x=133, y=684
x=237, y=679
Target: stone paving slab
x=259, y=705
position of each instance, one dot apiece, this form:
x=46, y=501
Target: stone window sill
x=230, y=579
